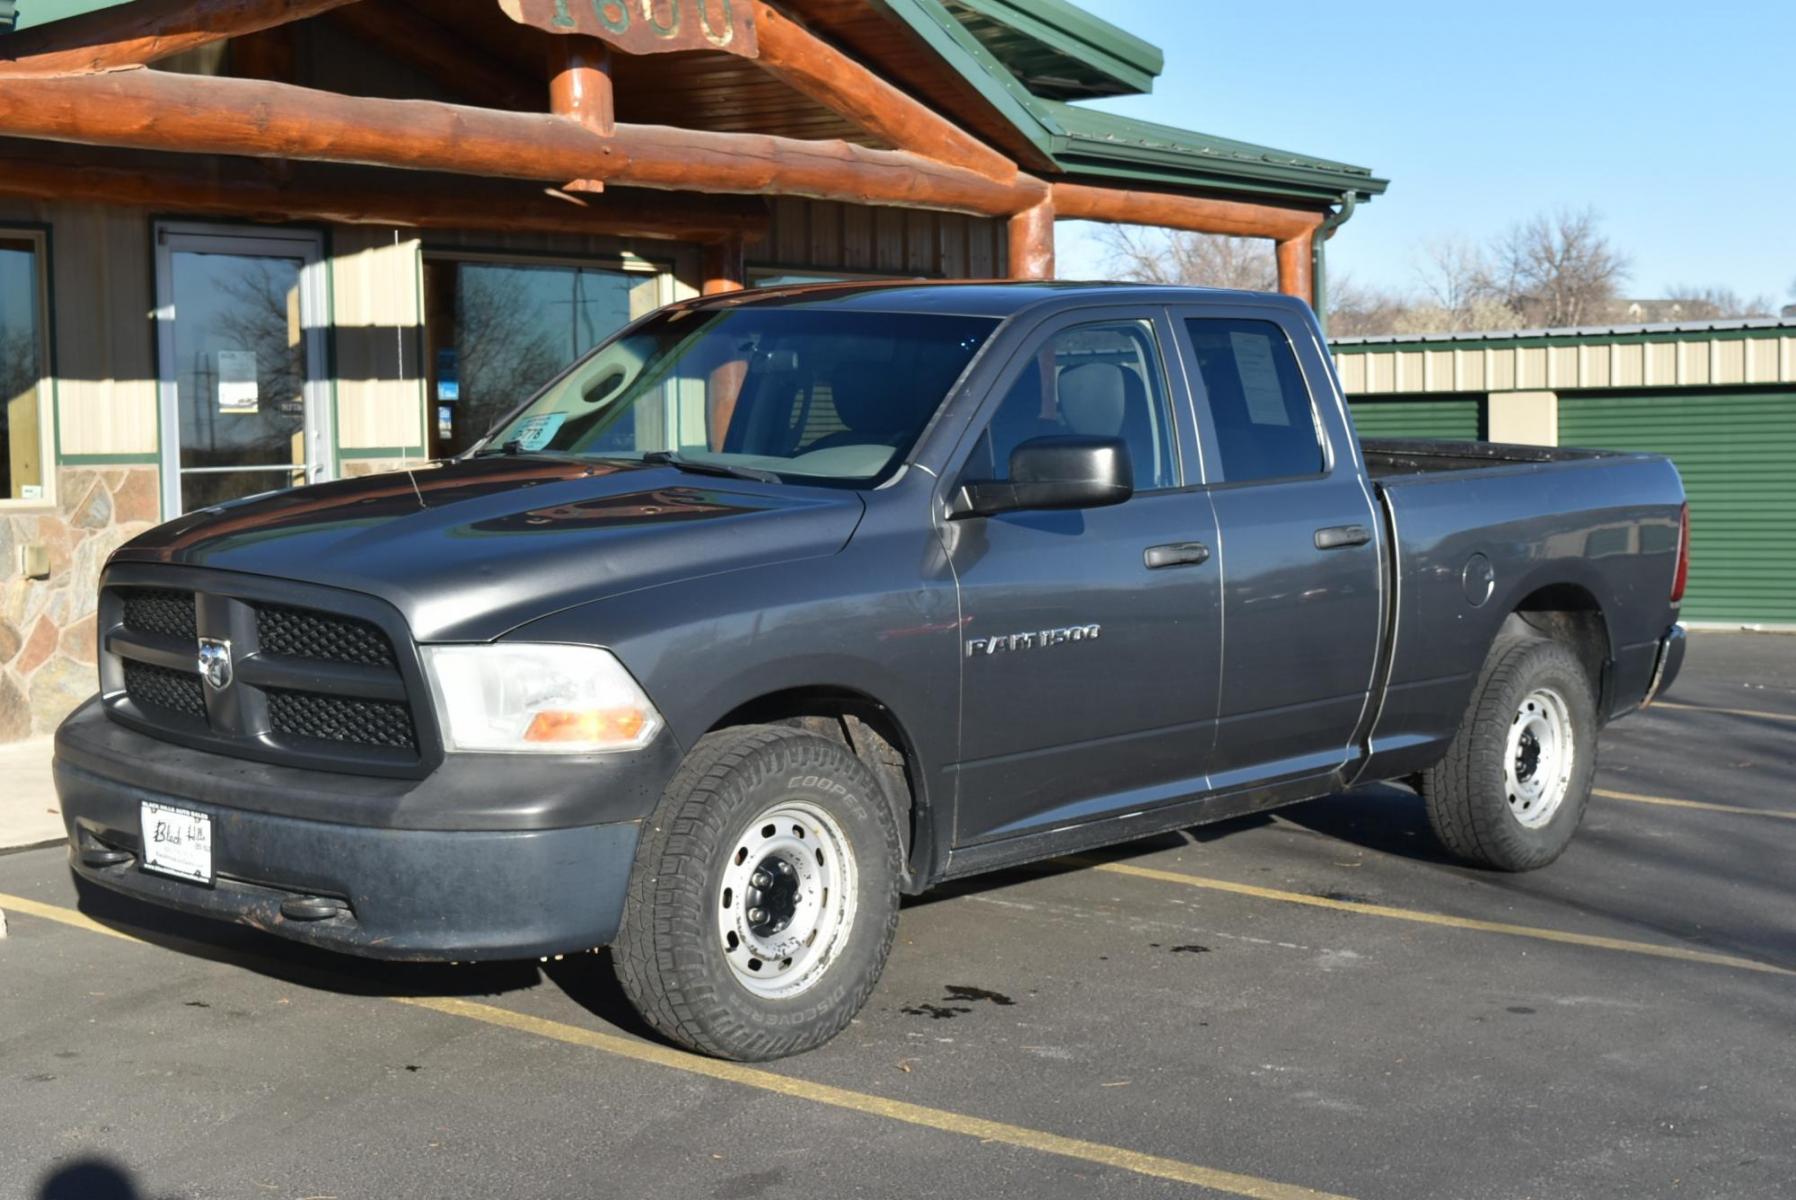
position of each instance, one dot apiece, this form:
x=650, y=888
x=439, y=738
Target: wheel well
x=868, y=728
x=1568, y=613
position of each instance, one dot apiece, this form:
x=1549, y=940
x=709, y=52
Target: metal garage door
x=1457, y=418
x=1735, y=452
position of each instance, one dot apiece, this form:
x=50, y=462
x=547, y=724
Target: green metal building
x=1718, y=397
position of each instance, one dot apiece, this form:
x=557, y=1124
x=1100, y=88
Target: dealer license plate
x=177, y=841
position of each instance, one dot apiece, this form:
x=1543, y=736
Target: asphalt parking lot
x=1309, y=1002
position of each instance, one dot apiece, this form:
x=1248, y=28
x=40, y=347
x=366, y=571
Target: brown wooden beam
x=725, y=267
x=1296, y=266
x=243, y=194
x=158, y=110
x=580, y=90
x=130, y=35
x=1031, y=242
x=799, y=58
x=1202, y=214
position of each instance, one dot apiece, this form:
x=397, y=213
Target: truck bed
x=1386, y=457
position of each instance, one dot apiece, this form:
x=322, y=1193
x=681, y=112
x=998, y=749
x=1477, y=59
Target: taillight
x=1682, y=575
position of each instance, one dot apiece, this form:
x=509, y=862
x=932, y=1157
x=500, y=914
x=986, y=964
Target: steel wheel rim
x=1537, y=762
x=785, y=903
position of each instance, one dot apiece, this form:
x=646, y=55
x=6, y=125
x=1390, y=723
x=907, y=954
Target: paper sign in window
x=1259, y=379
x=237, y=381
x=533, y=433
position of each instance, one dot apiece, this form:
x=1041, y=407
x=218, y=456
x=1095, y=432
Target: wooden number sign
x=646, y=26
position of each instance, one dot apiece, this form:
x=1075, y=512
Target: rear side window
x=1248, y=377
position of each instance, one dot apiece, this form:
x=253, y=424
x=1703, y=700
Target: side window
x=1096, y=380
x=1265, y=427
x=24, y=408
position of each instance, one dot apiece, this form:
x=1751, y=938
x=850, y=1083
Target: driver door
x=1089, y=678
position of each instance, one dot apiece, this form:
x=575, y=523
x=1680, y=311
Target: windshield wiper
x=698, y=466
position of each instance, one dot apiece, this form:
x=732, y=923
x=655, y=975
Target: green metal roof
x=1085, y=141
x=1059, y=50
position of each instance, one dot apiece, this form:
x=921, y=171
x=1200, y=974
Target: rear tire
x=764, y=898
x=1513, y=786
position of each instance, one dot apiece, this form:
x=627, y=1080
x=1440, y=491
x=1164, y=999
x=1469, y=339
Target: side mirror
x=1053, y=472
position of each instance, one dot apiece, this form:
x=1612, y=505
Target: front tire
x=1513, y=786
x=764, y=898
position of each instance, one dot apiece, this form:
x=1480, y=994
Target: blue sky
x=1676, y=121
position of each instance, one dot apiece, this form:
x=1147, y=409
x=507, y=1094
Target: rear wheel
x=764, y=898
x=1512, y=788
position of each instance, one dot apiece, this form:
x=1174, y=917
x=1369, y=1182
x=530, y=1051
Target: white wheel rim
x=785, y=904
x=1537, y=764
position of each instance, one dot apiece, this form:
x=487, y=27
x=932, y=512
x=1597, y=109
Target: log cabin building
x=250, y=244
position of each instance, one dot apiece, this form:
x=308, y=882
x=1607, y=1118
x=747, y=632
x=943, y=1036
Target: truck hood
x=468, y=550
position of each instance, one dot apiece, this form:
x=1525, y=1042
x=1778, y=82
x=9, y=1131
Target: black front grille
x=303, y=633
x=326, y=718
x=160, y=611
x=319, y=677
x=159, y=687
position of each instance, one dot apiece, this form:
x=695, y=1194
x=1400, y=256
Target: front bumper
x=401, y=892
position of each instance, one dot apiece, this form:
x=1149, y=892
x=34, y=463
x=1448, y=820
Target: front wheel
x=1512, y=788
x=764, y=897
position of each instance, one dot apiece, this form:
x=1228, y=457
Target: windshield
x=834, y=396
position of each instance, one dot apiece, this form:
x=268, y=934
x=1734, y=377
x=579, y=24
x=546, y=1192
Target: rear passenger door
x=1299, y=544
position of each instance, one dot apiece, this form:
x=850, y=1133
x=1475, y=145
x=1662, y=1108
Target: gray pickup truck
x=778, y=606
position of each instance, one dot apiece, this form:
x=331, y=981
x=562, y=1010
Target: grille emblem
x=215, y=663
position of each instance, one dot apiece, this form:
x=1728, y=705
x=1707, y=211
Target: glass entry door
x=241, y=319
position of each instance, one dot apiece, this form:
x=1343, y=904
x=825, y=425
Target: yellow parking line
x=878, y=1106
x=1702, y=804
x=1731, y=712
x=940, y=1119
x=1430, y=918
x=65, y=916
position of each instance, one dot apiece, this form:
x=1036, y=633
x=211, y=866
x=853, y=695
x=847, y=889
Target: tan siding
x=102, y=328
x=1353, y=372
x=374, y=293
x=1471, y=369
x=1630, y=366
x=1661, y=364
x=1562, y=366
x=1500, y=369
x=1728, y=362
x=1530, y=367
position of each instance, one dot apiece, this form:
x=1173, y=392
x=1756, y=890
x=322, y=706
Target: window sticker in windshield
x=533, y=433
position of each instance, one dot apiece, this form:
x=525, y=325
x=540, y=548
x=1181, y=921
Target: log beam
x=1201, y=214
x=1296, y=266
x=725, y=267
x=241, y=194
x=130, y=35
x=157, y=110
x=1031, y=242
x=808, y=64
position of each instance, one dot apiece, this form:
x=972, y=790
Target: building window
x=499, y=329
x=24, y=369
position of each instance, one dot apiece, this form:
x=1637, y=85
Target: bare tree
x=1149, y=255
x=1558, y=269
x=1358, y=311
x=1716, y=304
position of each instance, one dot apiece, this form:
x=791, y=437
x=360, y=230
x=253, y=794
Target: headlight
x=523, y=697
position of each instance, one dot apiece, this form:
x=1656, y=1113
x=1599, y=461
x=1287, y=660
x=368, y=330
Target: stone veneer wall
x=47, y=652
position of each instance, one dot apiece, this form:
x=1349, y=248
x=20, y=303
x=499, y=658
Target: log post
x=580, y=90
x=725, y=267
x=1032, y=242
x=1296, y=265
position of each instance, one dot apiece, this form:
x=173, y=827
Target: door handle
x=1176, y=554
x=1336, y=536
